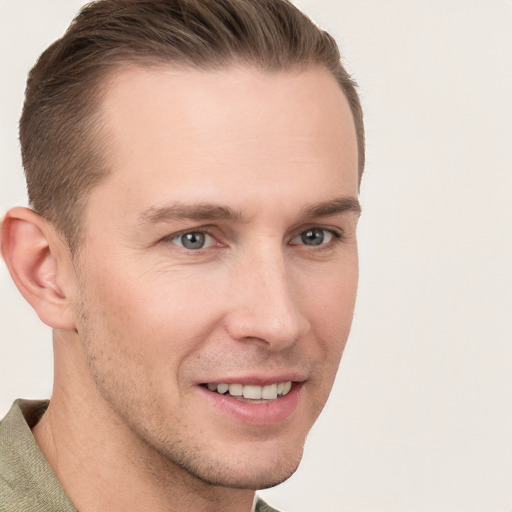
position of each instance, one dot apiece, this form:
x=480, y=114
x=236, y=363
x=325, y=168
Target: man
x=193, y=170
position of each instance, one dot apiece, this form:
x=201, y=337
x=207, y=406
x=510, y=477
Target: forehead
x=174, y=130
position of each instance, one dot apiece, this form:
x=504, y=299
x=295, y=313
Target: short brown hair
x=62, y=153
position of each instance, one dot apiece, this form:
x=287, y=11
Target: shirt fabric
x=27, y=482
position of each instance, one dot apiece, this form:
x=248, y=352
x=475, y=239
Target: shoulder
x=27, y=481
x=261, y=506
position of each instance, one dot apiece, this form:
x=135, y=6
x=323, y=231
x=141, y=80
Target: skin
x=252, y=161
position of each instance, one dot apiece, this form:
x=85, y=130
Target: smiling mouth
x=250, y=392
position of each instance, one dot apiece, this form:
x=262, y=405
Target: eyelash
x=337, y=237
x=199, y=231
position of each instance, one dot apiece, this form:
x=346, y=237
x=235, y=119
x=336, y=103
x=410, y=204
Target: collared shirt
x=27, y=482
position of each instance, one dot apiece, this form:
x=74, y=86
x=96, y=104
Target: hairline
x=109, y=72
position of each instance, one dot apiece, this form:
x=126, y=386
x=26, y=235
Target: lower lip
x=258, y=414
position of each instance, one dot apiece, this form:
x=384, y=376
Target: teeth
x=222, y=388
x=269, y=392
x=253, y=392
x=236, y=389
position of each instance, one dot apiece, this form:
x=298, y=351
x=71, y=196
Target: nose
x=265, y=302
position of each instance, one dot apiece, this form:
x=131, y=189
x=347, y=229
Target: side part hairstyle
x=63, y=151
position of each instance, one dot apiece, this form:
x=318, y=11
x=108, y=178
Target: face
x=219, y=268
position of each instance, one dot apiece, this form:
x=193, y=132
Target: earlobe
x=36, y=257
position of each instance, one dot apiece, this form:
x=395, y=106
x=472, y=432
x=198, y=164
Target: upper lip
x=257, y=380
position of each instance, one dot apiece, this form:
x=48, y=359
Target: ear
x=39, y=263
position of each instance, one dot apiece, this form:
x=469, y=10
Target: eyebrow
x=214, y=212
x=333, y=207
x=198, y=212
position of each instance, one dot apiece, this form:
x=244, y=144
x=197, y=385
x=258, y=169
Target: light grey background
x=420, y=418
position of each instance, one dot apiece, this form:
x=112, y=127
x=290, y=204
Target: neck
x=103, y=465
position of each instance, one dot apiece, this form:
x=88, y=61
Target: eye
x=314, y=237
x=194, y=240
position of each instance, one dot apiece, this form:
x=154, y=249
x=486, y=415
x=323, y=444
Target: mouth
x=251, y=393
x=259, y=404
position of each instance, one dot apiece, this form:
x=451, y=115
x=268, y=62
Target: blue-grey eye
x=194, y=240
x=313, y=237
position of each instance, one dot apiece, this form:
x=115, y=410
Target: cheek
x=160, y=313
x=330, y=298
x=330, y=306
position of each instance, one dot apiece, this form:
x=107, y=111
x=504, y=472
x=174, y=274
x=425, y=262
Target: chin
x=245, y=474
x=263, y=479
